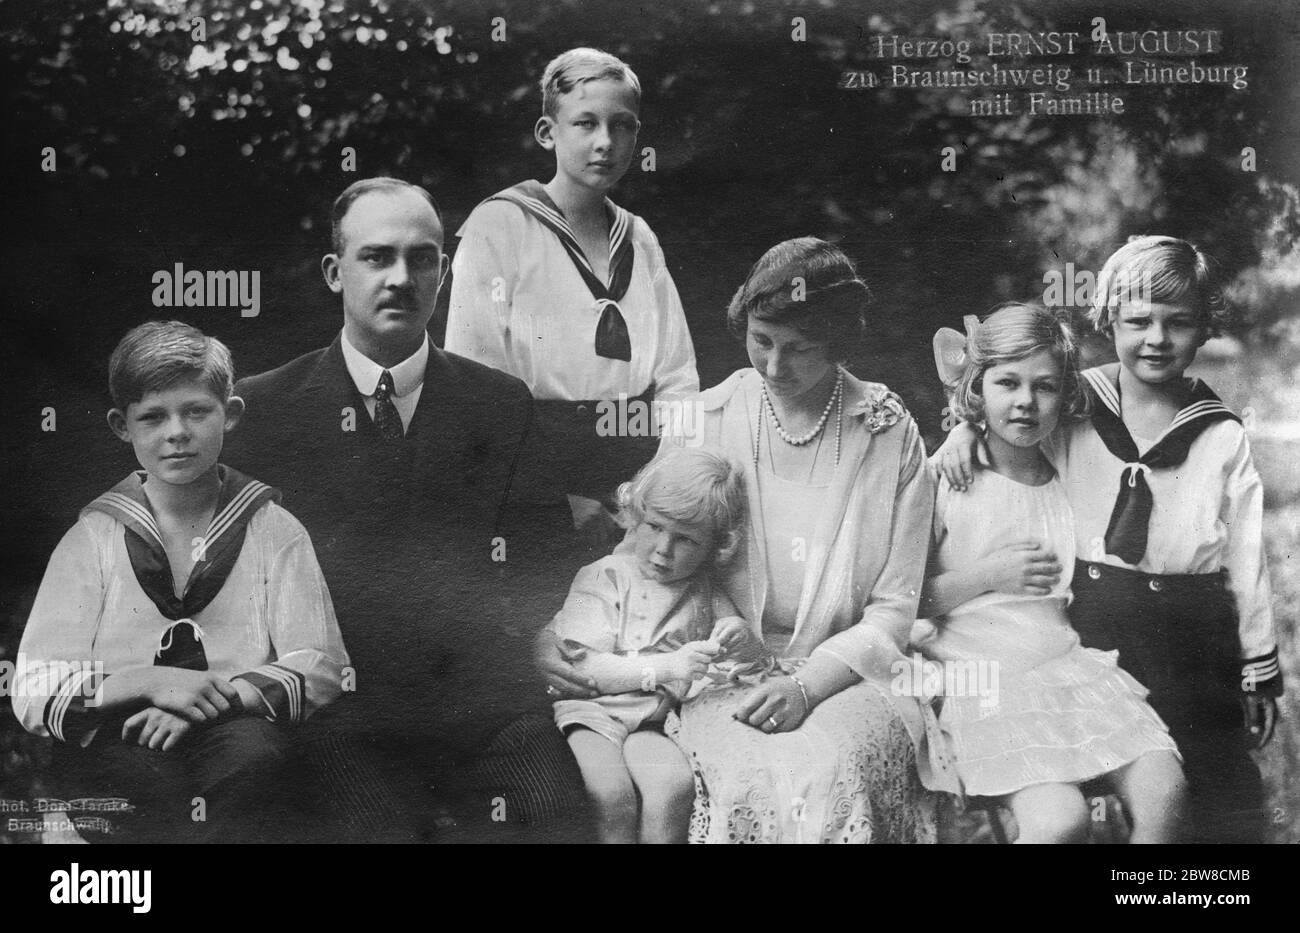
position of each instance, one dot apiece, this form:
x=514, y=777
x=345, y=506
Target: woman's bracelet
x=803, y=691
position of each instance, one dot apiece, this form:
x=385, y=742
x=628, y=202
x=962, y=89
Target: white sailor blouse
x=524, y=300
x=255, y=607
x=1189, y=502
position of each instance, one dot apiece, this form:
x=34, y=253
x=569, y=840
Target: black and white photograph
x=707, y=421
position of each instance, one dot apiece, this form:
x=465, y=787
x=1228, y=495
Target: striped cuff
x=284, y=690
x=1262, y=674
x=73, y=710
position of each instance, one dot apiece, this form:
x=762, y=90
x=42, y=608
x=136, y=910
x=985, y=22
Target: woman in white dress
x=840, y=504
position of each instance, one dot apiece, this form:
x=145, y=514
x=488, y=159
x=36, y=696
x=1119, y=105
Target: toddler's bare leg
x=609, y=785
x=663, y=777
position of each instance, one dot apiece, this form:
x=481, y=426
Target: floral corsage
x=880, y=410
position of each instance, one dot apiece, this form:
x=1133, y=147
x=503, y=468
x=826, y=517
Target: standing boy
x=556, y=284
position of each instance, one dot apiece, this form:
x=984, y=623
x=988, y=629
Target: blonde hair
x=1013, y=332
x=578, y=66
x=1162, y=269
x=694, y=485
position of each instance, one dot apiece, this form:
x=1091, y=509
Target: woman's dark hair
x=809, y=285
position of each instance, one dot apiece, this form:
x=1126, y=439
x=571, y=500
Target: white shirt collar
x=408, y=375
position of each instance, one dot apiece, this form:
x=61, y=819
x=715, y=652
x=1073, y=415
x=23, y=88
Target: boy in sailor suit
x=182, y=624
x=559, y=286
x=1168, y=511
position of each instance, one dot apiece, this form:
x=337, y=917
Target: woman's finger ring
x=772, y=720
x=551, y=691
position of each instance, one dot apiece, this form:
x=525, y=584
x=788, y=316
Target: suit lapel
x=329, y=390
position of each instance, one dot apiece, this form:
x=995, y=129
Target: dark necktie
x=1130, y=519
x=612, y=341
x=181, y=645
x=387, y=419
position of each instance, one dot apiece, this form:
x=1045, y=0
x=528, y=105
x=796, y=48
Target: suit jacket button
x=1156, y=586
x=1094, y=571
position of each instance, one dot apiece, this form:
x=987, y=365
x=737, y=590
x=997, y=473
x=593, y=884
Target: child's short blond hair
x=578, y=66
x=694, y=485
x=1160, y=269
x=156, y=354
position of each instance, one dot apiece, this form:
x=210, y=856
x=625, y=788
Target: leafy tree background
x=225, y=152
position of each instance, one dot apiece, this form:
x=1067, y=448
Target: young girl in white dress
x=1050, y=714
x=645, y=623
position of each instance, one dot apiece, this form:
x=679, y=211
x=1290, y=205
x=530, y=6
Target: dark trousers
x=223, y=783
x=523, y=787
x=1177, y=634
x=574, y=453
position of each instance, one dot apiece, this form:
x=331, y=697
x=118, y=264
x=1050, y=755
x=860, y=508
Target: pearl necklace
x=836, y=401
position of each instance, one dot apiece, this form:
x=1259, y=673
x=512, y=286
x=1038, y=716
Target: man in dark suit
x=399, y=459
